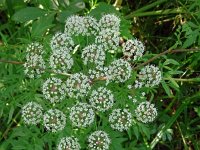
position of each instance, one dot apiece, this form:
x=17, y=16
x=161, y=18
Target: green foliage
x=176, y=98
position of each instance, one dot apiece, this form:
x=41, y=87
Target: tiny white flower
x=146, y=112
x=82, y=115
x=54, y=120
x=32, y=113
x=99, y=140
x=69, y=143
x=101, y=99
x=53, y=90
x=120, y=119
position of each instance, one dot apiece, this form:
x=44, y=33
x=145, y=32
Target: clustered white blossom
x=93, y=54
x=149, y=76
x=98, y=73
x=69, y=143
x=78, y=85
x=91, y=24
x=82, y=115
x=146, y=112
x=101, y=99
x=53, y=90
x=61, y=41
x=34, y=66
x=34, y=48
x=61, y=61
x=109, y=21
x=133, y=49
x=108, y=39
x=32, y=113
x=119, y=71
x=120, y=119
x=99, y=140
x=54, y=120
x=105, y=37
x=78, y=25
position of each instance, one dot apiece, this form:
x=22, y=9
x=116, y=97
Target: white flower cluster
x=99, y=140
x=91, y=24
x=149, y=76
x=78, y=25
x=54, y=120
x=61, y=41
x=98, y=73
x=32, y=113
x=94, y=54
x=69, y=143
x=133, y=49
x=108, y=39
x=101, y=99
x=78, y=85
x=146, y=112
x=110, y=21
x=61, y=61
x=120, y=119
x=119, y=71
x=82, y=115
x=34, y=48
x=53, y=90
x=34, y=65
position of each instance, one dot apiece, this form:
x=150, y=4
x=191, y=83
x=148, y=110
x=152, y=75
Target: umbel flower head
x=99, y=140
x=34, y=48
x=53, y=90
x=74, y=26
x=91, y=24
x=149, y=76
x=61, y=61
x=98, y=73
x=34, y=65
x=120, y=119
x=54, y=120
x=78, y=85
x=108, y=39
x=82, y=115
x=93, y=54
x=133, y=49
x=119, y=71
x=61, y=41
x=32, y=113
x=101, y=99
x=109, y=21
x=69, y=143
x=146, y=112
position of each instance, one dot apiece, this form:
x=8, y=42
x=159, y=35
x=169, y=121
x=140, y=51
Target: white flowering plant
x=89, y=84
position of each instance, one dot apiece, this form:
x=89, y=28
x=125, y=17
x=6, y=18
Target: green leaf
x=40, y=26
x=197, y=110
x=167, y=89
x=136, y=131
x=27, y=14
x=11, y=114
x=170, y=61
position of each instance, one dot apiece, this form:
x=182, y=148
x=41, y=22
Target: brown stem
x=11, y=62
x=166, y=52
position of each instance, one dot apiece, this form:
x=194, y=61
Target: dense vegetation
x=169, y=31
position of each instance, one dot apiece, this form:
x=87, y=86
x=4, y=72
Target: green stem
x=158, y=2
x=9, y=126
x=173, y=119
x=185, y=80
x=158, y=12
